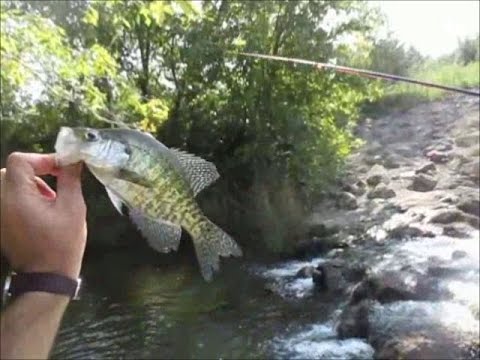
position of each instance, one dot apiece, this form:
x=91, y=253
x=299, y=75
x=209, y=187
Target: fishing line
x=361, y=72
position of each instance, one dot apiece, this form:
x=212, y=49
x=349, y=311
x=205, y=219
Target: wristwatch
x=19, y=283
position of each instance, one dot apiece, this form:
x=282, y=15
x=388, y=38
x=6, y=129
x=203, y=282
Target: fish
x=158, y=185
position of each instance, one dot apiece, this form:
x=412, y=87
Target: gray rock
x=449, y=216
x=456, y=232
x=442, y=269
x=381, y=191
x=346, y=200
x=409, y=231
x=472, y=170
x=438, y=157
x=391, y=286
x=470, y=206
x=407, y=330
x=458, y=254
x=467, y=140
x=330, y=276
x=449, y=199
x=444, y=146
x=427, y=168
x=391, y=161
x=359, y=188
x=354, y=321
x=376, y=175
x=418, y=345
x=305, y=272
x=422, y=183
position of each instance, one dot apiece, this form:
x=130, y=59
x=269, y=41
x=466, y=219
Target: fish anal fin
x=161, y=235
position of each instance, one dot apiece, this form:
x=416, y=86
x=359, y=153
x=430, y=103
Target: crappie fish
x=158, y=185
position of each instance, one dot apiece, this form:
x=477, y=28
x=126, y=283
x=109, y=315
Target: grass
x=401, y=96
x=441, y=73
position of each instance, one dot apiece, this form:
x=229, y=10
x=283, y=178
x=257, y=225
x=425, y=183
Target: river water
x=132, y=308
x=135, y=306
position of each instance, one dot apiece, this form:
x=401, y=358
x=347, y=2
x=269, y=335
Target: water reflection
x=134, y=310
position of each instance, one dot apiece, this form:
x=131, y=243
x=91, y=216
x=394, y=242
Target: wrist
x=18, y=284
x=70, y=270
x=46, y=298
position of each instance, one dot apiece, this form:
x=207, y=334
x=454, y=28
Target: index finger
x=25, y=166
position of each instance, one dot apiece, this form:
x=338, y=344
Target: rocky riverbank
x=398, y=238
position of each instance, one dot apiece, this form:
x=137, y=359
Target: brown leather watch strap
x=44, y=282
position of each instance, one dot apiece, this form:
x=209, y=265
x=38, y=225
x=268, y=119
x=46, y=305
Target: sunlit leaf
x=91, y=16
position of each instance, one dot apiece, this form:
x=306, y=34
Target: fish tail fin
x=210, y=244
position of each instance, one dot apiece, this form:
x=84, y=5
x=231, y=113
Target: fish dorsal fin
x=116, y=201
x=200, y=172
x=161, y=235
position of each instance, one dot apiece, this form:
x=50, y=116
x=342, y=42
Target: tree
x=277, y=133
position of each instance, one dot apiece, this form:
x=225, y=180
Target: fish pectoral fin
x=134, y=177
x=201, y=173
x=116, y=201
x=161, y=235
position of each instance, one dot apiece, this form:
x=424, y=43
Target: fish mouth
x=67, y=147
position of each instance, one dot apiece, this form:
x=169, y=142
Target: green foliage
x=468, y=50
x=402, y=96
x=390, y=56
x=277, y=133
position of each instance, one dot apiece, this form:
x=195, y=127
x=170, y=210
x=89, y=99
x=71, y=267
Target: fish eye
x=91, y=136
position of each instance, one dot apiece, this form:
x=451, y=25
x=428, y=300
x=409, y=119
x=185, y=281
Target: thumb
x=69, y=186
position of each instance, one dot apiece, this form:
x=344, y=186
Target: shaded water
x=133, y=306
x=136, y=309
x=144, y=305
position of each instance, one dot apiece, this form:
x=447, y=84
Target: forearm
x=29, y=325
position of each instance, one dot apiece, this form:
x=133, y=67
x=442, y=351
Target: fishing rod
x=361, y=72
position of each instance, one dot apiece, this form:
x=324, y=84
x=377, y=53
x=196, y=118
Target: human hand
x=42, y=231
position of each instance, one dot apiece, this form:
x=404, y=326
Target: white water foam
x=423, y=315
x=287, y=286
x=319, y=342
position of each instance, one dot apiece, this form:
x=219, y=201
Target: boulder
x=471, y=169
x=376, y=175
x=330, y=276
x=354, y=321
x=381, y=191
x=408, y=231
x=427, y=168
x=459, y=254
x=391, y=161
x=407, y=330
x=467, y=140
x=418, y=345
x=442, y=268
x=358, y=188
x=470, y=206
x=305, y=272
x=346, y=200
x=391, y=286
x=438, y=157
x=456, y=231
x=422, y=183
x=449, y=216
